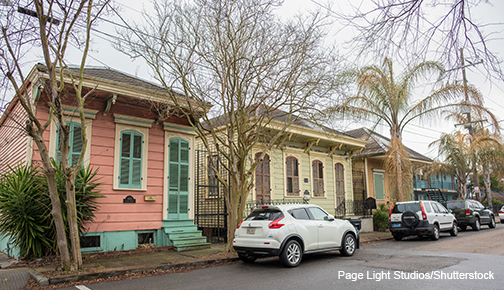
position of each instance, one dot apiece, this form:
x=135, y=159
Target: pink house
x=144, y=153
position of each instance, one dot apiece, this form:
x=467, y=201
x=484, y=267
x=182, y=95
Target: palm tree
x=383, y=98
x=489, y=153
x=458, y=159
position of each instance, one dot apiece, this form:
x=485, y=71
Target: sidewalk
x=110, y=265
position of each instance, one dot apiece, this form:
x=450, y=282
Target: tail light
x=468, y=212
x=390, y=213
x=501, y=211
x=424, y=215
x=275, y=225
x=239, y=225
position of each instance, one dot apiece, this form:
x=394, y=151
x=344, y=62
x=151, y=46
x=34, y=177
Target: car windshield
x=456, y=205
x=402, y=207
x=268, y=214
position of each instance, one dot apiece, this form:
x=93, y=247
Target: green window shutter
x=75, y=142
x=130, y=172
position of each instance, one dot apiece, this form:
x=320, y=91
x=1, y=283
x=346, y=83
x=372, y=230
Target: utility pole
x=469, y=125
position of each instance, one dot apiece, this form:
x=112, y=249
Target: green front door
x=178, y=179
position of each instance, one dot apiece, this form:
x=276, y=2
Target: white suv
x=290, y=231
x=422, y=218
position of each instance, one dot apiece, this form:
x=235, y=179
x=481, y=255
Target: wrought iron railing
x=252, y=203
x=353, y=207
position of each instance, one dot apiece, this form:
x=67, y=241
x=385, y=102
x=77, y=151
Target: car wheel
x=349, y=245
x=398, y=237
x=247, y=258
x=476, y=226
x=435, y=233
x=492, y=222
x=291, y=254
x=463, y=227
x=410, y=219
x=454, y=230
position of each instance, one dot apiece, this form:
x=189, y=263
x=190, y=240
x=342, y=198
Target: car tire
x=477, y=225
x=292, y=254
x=349, y=245
x=435, y=233
x=398, y=237
x=247, y=258
x=410, y=219
x=454, y=230
x=492, y=222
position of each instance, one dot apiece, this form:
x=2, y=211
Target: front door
x=178, y=179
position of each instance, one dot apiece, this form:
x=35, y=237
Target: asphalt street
x=470, y=261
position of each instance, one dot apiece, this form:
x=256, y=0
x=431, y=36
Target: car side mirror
x=329, y=217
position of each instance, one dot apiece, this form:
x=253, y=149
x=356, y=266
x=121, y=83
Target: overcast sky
x=416, y=136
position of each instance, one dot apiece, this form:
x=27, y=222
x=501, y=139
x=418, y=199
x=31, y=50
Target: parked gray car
x=471, y=213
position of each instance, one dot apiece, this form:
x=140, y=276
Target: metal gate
x=358, y=205
x=210, y=197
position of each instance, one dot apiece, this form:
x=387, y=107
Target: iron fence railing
x=252, y=203
x=353, y=207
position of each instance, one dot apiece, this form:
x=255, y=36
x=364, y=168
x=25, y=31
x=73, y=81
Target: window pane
x=137, y=146
x=125, y=144
x=317, y=213
x=125, y=170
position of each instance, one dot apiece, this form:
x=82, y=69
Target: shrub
x=494, y=201
x=25, y=207
x=23, y=211
x=380, y=217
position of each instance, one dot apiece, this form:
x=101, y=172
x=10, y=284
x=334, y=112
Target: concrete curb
x=107, y=274
x=40, y=279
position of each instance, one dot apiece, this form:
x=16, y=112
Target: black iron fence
x=253, y=203
x=354, y=207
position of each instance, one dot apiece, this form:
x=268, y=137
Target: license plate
x=396, y=225
x=250, y=231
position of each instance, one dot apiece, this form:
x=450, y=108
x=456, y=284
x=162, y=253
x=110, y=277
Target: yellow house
x=311, y=164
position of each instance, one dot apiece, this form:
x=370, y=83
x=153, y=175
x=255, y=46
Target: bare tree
x=414, y=30
x=51, y=26
x=255, y=71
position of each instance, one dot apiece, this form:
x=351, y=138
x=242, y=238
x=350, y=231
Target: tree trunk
x=56, y=211
x=488, y=189
x=72, y=217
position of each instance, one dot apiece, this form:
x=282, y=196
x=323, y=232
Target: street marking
x=82, y=287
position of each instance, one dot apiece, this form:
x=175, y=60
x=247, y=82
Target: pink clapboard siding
x=13, y=138
x=113, y=214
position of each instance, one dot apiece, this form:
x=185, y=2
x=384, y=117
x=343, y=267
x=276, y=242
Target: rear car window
x=265, y=214
x=456, y=205
x=402, y=207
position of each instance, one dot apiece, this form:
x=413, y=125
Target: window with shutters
x=292, y=176
x=130, y=157
x=262, y=178
x=213, y=182
x=72, y=119
x=318, y=178
x=130, y=172
x=339, y=185
x=74, y=143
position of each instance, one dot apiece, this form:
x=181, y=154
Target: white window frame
x=71, y=114
x=141, y=125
